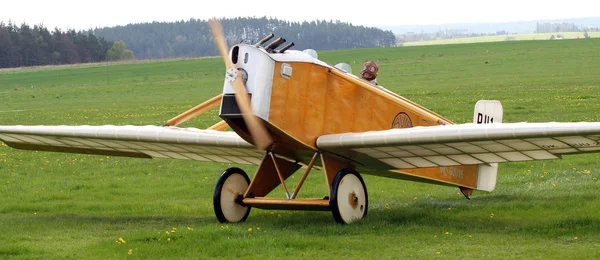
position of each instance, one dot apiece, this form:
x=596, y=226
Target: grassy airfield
x=500, y=38
x=56, y=205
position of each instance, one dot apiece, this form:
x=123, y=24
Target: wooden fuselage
x=317, y=99
x=301, y=98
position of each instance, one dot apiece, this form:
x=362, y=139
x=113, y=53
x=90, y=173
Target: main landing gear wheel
x=229, y=192
x=349, y=201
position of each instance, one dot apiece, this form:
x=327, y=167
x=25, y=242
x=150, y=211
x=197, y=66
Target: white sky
x=83, y=14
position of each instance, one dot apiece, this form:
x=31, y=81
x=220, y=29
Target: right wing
x=135, y=141
x=465, y=144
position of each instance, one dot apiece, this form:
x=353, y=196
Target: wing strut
x=196, y=111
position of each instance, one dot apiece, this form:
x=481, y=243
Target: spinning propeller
x=259, y=134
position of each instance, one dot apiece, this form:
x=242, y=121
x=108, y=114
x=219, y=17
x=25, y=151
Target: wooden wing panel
x=466, y=144
x=135, y=141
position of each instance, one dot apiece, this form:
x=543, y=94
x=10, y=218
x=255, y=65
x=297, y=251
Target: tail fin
x=487, y=112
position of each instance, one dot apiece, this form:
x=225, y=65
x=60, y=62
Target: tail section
x=466, y=177
x=487, y=112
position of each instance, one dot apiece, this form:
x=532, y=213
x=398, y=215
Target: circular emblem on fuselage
x=402, y=120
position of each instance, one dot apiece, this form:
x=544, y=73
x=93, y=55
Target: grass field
x=500, y=38
x=59, y=206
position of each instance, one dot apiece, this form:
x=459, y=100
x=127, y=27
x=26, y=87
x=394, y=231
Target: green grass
x=60, y=206
x=500, y=38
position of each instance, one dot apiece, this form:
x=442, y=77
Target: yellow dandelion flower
x=449, y=209
x=588, y=171
x=387, y=206
x=531, y=183
x=595, y=179
x=553, y=185
x=439, y=252
x=167, y=232
x=447, y=233
x=545, y=172
x=574, y=168
x=492, y=215
x=249, y=229
x=575, y=238
x=190, y=229
x=168, y=239
x=415, y=198
x=122, y=240
x=257, y=228
x=272, y=213
x=434, y=236
x=541, y=176
x=130, y=252
x=470, y=236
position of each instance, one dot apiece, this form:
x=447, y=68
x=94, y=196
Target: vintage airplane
x=289, y=110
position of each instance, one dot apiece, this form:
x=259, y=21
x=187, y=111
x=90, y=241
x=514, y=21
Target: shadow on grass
x=528, y=214
x=544, y=216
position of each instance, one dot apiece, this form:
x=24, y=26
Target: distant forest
x=22, y=46
x=25, y=46
x=192, y=38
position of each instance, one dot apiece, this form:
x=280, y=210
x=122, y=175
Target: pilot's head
x=369, y=70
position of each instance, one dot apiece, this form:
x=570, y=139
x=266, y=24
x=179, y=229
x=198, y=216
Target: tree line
x=34, y=46
x=192, y=38
x=26, y=46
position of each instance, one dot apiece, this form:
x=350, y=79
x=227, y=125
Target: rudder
x=487, y=112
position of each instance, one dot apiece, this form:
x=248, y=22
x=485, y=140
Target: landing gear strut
x=235, y=195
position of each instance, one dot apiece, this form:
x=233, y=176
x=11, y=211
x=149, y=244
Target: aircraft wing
x=135, y=141
x=464, y=144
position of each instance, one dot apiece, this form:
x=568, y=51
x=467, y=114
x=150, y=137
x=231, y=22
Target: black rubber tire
x=336, y=200
x=217, y=196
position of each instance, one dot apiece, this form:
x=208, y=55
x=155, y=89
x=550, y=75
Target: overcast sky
x=89, y=14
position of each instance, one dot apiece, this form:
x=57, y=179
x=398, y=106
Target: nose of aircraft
x=259, y=133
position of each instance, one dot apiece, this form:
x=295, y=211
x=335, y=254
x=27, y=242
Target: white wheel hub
x=233, y=186
x=351, y=198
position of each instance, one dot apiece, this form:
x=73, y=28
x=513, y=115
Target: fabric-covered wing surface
x=135, y=141
x=463, y=144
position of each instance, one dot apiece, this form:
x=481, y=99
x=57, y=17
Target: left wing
x=465, y=144
x=135, y=141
